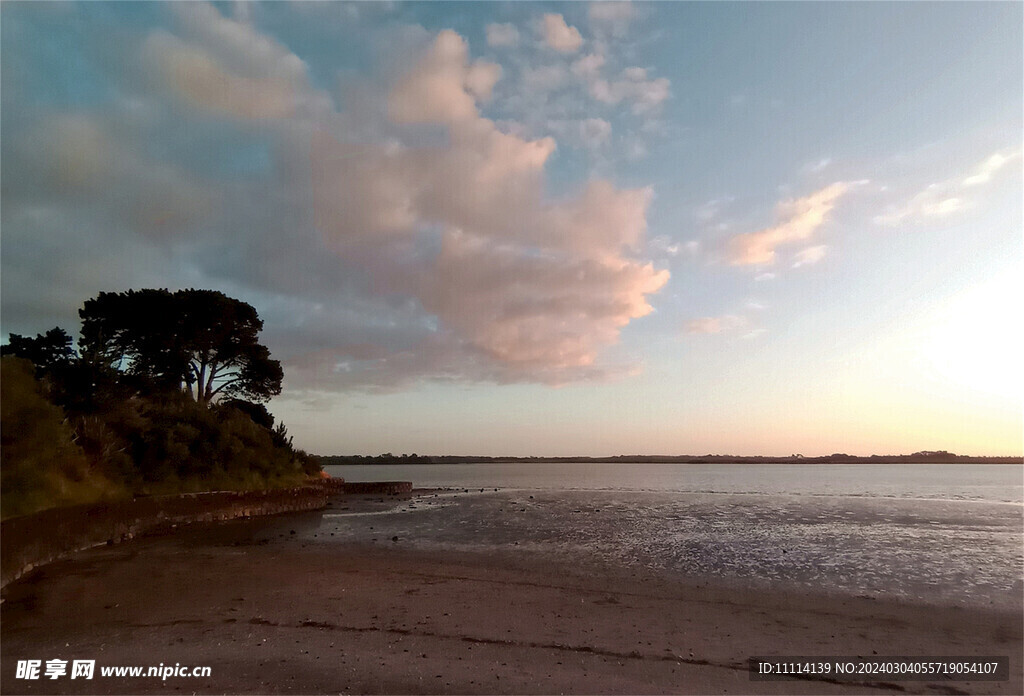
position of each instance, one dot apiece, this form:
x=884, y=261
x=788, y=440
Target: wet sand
x=277, y=613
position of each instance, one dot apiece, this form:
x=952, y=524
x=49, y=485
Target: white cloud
x=559, y=35
x=714, y=325
x=544, y=78
x=810, y=255
x=799, y=220
x=635, y=74
x=595, y=132
x=945, y=198
x=985, y=171
x=502, y=35
x=644, y=95
x=663, y=245
x=761, y=277
x=588, y=66
x=818, y=166
x=711, y=209
x=608, y=16
x=591, y=133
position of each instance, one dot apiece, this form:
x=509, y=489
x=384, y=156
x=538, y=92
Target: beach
x=272, y=607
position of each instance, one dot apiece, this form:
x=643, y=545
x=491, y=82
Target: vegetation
x=163, y=396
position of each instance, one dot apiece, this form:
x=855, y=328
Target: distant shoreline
x=917, y=458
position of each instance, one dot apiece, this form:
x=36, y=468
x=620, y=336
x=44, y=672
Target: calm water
x=929, y=532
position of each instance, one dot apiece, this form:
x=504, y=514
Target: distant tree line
x=164, y=393
x=936, y=457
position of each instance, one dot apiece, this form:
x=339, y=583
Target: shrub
x=41, y=466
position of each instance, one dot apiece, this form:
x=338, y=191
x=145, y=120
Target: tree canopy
x=45, y=351
x=199, y=340
x=163, y=395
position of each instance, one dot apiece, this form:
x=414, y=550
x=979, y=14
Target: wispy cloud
x=945, y=198
x=714, y=325
x=799, y=219
x=810, y=255
x=611, y=17
x=502, y=35
x=817, y=166
x=711, y=209
x=987, y=169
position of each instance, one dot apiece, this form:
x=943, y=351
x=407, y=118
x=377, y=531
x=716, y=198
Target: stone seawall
x=32, y=540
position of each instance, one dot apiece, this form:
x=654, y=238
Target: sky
x=547, y=228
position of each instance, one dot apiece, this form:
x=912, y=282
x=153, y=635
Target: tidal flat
x=345, y=601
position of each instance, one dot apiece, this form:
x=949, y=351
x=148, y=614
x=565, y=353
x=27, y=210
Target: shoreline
x=273, y=612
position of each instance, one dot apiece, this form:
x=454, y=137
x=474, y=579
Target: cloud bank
x=406, y=238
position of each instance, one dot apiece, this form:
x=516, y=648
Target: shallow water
x=938, y=534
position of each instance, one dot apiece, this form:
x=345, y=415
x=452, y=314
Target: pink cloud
x=799, y=219
x=533, y=287
x=559, y=35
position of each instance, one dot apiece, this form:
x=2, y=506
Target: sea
x=931, y=533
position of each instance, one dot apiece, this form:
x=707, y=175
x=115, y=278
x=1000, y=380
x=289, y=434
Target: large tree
x=199, y=340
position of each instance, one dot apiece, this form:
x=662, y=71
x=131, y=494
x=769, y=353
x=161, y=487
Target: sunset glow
x=522, y=229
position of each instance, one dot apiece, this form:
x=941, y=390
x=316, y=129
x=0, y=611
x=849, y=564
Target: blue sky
x=547, y=228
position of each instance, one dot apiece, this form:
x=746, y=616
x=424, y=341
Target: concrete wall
x=32, y=540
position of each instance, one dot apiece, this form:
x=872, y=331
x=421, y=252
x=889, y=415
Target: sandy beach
x=272, y=612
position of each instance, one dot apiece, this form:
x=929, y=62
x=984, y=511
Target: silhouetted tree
x=45, y=351
x=201, y=341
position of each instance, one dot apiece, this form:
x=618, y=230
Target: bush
x=41, y=466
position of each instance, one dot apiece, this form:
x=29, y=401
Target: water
x=933, y=533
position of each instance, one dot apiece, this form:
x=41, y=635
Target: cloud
x=96, y=167
x=819, y=166
x=761, y=277
x=714, y=325
x=985, y=171
x=711, y=209
x=500, y=35
x=543, y=78
x=810, y=255
x=665, y=246
x=559, y=35
x=799, y=220
x=936, y=201
x=644, y=95
x=228, y=67
x=945, y=198
x=588, y=66
x=531, y=286
x=611, y=17
x=590, y=133
x=443, y=87
x=407, y=238
x=595, y=132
